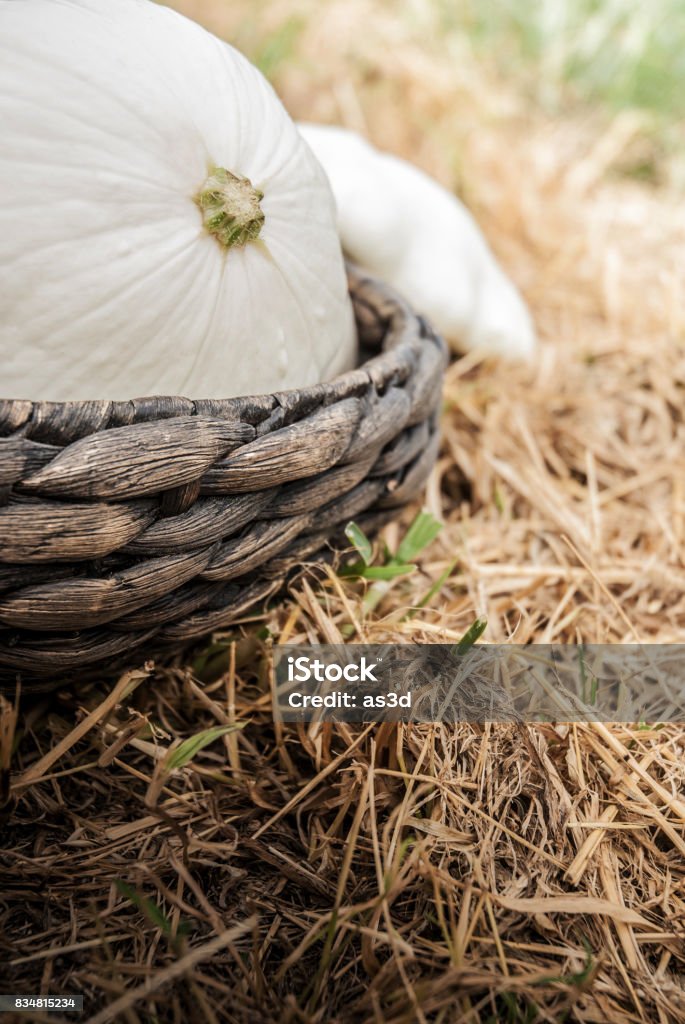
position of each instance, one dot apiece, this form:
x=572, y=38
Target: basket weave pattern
x=162, y=519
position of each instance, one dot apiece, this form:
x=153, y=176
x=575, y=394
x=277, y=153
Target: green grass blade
x=472, y=634
x=146, y=906
x=422, y=531
x=187, y=750
x=434, y=589
x=360, y=542
x=387, y=572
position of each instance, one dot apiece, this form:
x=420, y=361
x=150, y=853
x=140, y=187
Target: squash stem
x=230, y=208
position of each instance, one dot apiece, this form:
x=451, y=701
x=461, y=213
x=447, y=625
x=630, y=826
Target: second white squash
x=406, y=228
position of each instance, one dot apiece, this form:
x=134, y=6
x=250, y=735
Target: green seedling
x=188, y=749
x=215, y=659
x=575, y=979
x=424, y=528
x=422, y=531
x=472, y=634
x=154, y=915
x=146, y=906
x=434, y=589
x=360, y=542
x=591, y=696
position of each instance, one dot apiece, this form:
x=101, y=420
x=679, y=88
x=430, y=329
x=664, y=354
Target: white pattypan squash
x=163, y=227
x=406, y=228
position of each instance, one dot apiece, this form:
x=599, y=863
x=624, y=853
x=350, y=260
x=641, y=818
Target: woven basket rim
x=159, y=520
x=18, y=413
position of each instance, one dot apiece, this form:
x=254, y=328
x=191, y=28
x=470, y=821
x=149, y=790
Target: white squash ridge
x=311, y=342
x=82, y=236
x=213, y=279
x=219, y=295
x=268, y=183
x=274, y=166
x=277, y=243
x=115, y=299
x=205, y=39
x=284, y=194
x=201, y=35
x=154, y=269
x=105, y=129
x=242, y=129
x=48, y=165
x=270, y=176
x=320, y=181
x=315, y=173
x=311, y=271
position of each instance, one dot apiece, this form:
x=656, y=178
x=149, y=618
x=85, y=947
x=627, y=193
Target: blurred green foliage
x=624, y=53
x=279, y=48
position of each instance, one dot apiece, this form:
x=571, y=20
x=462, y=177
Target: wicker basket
x=155, y=521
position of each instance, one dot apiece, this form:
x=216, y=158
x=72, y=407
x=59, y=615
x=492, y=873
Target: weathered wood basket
x=159, y=520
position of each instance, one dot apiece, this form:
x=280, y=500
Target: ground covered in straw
x=425, y=873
